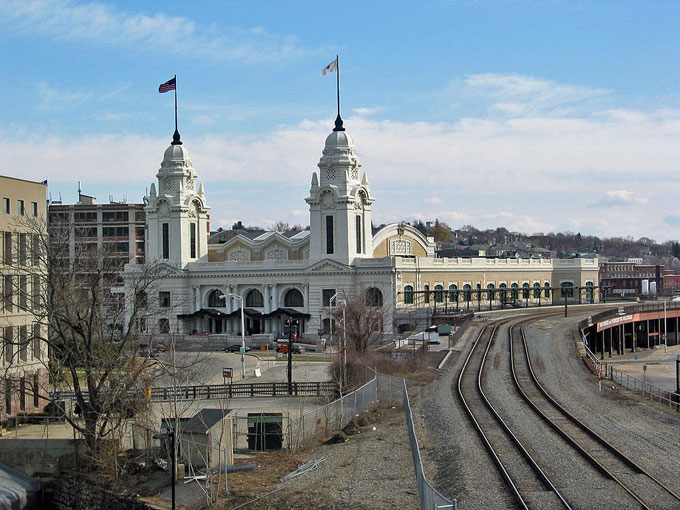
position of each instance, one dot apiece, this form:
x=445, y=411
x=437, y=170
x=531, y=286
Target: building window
x=466, y=291
x=192, y=235
x=23, y=249
x=20, y=207
x=5, y=205
x=7, y=252
x=36, y=341
x=35, y=249
x=326, y=295
x=358, y=232
x=408, y=295
x=34, y=208
x=547, y=290
x=36, y=390
x=426, y=288
x=8, y=293
x=453, y=292
x=255, y=299
x=23, y=343
x=537, y=290
x=438, y=294
x=8, y=336
x=164, y=326
x=294, y=299
x=329, y=234
x=374, y=297
x=567, y=289
x=166, y=241
x=8, y=396
x=23, y=292
x=164, y=299
x=217, y=299
x=22, y=394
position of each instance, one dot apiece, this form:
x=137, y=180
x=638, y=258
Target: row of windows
x=15, y=249
x=454, y=294
x=193, y=238
x=21, y=208
x=15, y=293
x=19, y=347
x=20, y=388
x=293, y=298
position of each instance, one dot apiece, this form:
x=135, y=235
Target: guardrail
x=430, y=498
x=223, y=391
x=607, y=371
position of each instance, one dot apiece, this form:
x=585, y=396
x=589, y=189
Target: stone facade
x=275, y=276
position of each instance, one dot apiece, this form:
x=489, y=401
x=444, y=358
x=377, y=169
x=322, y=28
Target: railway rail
x=529, y=484
x=522, y=474
x=642, y=486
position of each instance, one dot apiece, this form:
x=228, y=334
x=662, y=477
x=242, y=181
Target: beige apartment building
x=23, y=357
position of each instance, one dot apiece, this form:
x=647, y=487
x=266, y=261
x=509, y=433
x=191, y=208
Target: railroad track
x=643, y=487
x=528, y=485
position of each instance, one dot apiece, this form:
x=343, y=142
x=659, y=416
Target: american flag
x=167, y=86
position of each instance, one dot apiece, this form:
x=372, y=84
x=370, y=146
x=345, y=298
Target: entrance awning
x=289, y=312
x=204, y=312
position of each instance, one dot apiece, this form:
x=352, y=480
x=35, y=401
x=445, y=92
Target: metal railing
x=222, y=391
x=632, y=383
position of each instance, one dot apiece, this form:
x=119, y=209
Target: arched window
x=525, y=290
x=438, y=294
x=217, y=299
x=537, y=290
x=589, y=292
x=567, y=289
x=490, y=294
x=453, y=293
x=374, y=297
x=503, y=292
x=427, y=293
x=254, y=299
x=466, y=291
x=547, y=289
x=294, y=299
x=408, y=295
x=515, y=291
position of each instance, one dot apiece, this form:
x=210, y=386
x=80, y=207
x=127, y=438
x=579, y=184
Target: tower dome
x=339, y=139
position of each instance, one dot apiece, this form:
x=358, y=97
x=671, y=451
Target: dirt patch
x=540, y=364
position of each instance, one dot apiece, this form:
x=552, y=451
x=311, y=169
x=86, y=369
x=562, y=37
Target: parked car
x=159, y=347
x=235, y=348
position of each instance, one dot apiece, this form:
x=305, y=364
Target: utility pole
x=291, y=323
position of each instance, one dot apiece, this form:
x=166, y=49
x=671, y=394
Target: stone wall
x=72, y=494
x=39, y=456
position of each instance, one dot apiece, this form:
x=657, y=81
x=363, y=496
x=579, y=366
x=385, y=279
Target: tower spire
x=338, y=119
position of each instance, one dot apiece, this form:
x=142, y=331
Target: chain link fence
x=332, y=416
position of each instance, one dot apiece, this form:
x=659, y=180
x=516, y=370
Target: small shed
x=206, y=439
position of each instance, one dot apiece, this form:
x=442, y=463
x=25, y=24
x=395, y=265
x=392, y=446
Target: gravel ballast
x=459, y=466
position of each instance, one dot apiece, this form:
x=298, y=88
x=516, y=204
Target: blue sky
x=534, y=115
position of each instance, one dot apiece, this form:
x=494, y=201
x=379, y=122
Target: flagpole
x=338, y=120
x=175, y=102
x=175, y=137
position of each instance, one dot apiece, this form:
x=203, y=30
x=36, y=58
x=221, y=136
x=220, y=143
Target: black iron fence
x=224, y=391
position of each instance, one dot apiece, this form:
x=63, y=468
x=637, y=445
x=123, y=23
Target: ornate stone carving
x=327, y=200
x=330, y=174
x=163, y=209
x=355, y=174
x=401, y=247
x=239, y=255
x=276, y=254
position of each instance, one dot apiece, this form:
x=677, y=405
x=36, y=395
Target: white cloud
x=622, y=197
x=101, y=23
x=433, y=201
x=52, y=99
x=525, y=172
x=517, y=94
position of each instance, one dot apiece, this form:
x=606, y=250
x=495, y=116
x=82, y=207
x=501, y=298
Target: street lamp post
x=243, y=335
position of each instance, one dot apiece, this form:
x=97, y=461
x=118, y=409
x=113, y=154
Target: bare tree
x=89, y=325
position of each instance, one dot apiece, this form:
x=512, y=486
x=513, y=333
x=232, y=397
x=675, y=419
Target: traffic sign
x=227, y=372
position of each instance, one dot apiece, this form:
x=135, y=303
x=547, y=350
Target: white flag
x=333, y=66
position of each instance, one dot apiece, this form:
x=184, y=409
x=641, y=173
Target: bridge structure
x=631, y=328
